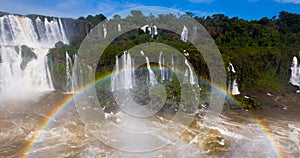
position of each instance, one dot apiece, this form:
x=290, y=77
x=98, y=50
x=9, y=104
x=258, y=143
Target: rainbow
x=69, y=100
x=268, y=134
x=45, y=123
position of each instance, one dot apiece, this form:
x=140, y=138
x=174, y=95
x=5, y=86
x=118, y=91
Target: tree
x=190, y=14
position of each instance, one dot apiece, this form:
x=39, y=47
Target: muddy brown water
x=236, y=135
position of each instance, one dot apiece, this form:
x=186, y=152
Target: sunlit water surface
x=238, y=134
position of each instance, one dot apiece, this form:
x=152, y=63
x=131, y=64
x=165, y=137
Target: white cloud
x=201, y=1
x=288, y=1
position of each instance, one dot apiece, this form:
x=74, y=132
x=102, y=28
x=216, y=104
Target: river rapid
x=270, y=131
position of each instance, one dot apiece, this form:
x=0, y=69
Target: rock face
x=75, y=30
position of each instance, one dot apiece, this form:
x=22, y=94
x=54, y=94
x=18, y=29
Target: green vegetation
x=57, y=63
x=261, y=51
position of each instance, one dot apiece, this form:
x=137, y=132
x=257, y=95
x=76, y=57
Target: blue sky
x=246, y=9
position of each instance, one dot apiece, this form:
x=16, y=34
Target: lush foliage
x=261, y=50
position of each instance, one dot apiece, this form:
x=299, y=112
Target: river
x=51, y=127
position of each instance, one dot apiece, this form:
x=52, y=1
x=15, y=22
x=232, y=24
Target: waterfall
x=235, y=88
x=24, y=44
x=295, y=73
x=231, y=68
x=164, y=72
x=114, y=78
x=232, y=85
x=49, y=79
x=184, y=34
x=144, y=28
x=185, y=53
x=17, y=30
x=155, y=30
x=123, y=76
x=73, y=73
x=142, y=53
x=77, y=74
x=70, y=83
x=26, y=76
x=152, y=30
x=160, y=67
x=133, y=74
x=172, y=62
x=152, y=77
x=104, y=31
x=192, y=78
x=119, y=28
x=127, y=71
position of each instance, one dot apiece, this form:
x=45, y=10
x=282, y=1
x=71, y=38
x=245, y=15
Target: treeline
x=261, y=50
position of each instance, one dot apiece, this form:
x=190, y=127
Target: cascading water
x=24, y=44
x=152, y=30
x=235, y=88
x=127, y=70
x=73, y=73
x=184, y=34
x=142, y=53
x=104, y=31
x=232, y=85
x=123, y=77
x=165, y=71
x=119, y=28
x=133, y=73
x=152, y=77
x=70, y=83
x=231, y=68
x=114, y=78
x=144, y=28
x=172, y=62
x=17, y=30
x=77, y=74
x=192, y=78
x=25, y=78
x=295, y=73
x=165, y=74
x=160, y=67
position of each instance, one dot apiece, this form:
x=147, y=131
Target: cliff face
x=76, y=30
